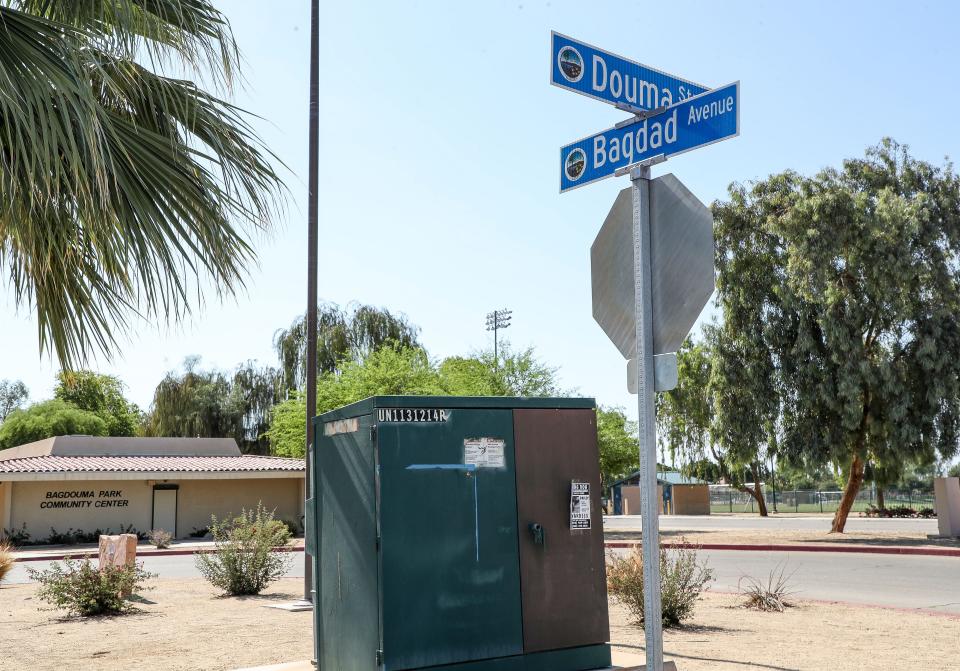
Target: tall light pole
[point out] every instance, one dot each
(496, 320)
(312, 210)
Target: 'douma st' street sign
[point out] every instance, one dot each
(626, 84)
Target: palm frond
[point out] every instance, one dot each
(119, 188)
(193, 31)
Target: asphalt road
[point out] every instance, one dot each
(781, 522)
(914, 582)
(901, 581)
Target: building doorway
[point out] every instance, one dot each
(165, 508)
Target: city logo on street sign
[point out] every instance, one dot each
(585, 69)
(696, 122)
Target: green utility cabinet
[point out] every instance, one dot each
(458, 533)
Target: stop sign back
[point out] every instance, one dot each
(681, 266)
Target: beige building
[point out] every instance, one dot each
(86, 483)
(677, 494)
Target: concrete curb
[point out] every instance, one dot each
(140, 553)
(857, 549)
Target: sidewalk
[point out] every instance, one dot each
(185, 547)
(706, 540)
(776, 540)
(928, 551)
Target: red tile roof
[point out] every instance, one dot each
(134, 464)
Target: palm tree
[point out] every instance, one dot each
(122, 188)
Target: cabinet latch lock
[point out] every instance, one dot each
(536, 530)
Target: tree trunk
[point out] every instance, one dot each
(850, 491)
(756, 492)
(880, 496)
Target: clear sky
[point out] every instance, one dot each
(439, 158)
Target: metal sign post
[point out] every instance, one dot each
(672, 262)
(653, 624)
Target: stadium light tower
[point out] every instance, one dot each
(496, 320)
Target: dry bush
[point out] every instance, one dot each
(250, 552)
(81, 588)
(682, 580)
(771, 596)
(6, 559)
(160, 538)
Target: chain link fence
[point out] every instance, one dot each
(725, 499)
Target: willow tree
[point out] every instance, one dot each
(13, 394)
(197, 403)
(124, 190)
(849, 285)
(717, 414)
(344, 335)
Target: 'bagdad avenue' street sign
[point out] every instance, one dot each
(693, 123)
(582, 68)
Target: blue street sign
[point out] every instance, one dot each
(585, 69)
(704, 119)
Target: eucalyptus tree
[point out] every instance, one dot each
(48, 419)
(343, 335)
(841, 294)
(101, 395)
(508, 373)
(125, 186)
(618, 445)
(394, 368)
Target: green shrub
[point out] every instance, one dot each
(160, 538)
(293, 527)
(17, 537)
(57, 538)
(682, 580)
(48, 418)
(6, 559)
(80, 588)
(279, 530)
(244, 560)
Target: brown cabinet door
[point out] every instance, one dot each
(562, 579)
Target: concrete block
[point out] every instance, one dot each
(118, 550)
(946, 496)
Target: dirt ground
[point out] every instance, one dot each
(809, 636)
(185, 625)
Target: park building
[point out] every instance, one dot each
(678, 494)
(90, 483)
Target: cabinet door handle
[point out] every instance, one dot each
(536, 530)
